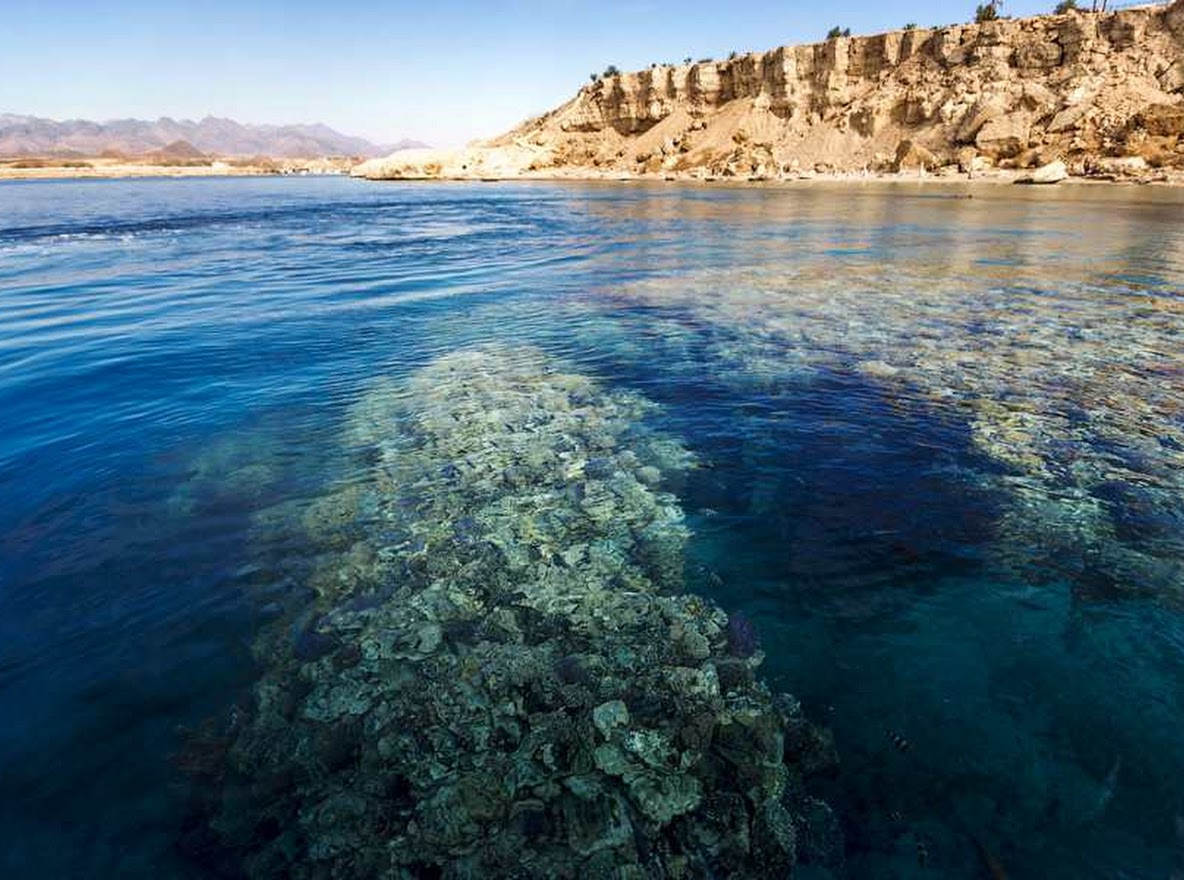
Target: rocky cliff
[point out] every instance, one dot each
(1103, 92)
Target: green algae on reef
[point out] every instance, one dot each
(499, 675)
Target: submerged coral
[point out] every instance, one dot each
(498, 675)
(1066, 396)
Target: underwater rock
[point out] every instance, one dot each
(608, 716)
(238, 469)
(517, 686)
(743, 640)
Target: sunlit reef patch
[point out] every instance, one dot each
(1074, 397)
(498, 674)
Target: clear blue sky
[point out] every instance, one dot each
(444, 71)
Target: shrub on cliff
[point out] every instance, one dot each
(1065, 6)
(988, 11)
(836, 32)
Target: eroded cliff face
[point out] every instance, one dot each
(1103, 92)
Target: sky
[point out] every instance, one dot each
(441, 71)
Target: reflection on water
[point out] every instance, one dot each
(267, 477)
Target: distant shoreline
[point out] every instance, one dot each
(104, 169)
(131, 171)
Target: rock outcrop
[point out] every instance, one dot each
(1010, 94)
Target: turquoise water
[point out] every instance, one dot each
(934, 453)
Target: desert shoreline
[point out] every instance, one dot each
(985, 178)
(98, 168)
(996, 179)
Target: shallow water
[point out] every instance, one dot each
(940, 445)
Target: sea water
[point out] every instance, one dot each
(938, 451)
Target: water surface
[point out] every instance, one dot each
(940, 445)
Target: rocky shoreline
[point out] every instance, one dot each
(950, 175)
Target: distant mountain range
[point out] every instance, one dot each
(212, 137)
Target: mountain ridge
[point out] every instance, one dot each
(24, 135)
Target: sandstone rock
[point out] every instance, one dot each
(1122, 30)
(1037, 98)
(1004, 136)
(1037, 54)
(912, 157)
(1036, 157)
(1069, 117)
(1120, 166)
(1174, 17)
(985, 110)
(1053, 172)
(1172, 78)
(970, 162)
(1030, 158)
(1160, 152)
(915, 110)
(1162, 120)
(508, 161)
(1076, 34)
(948, 47)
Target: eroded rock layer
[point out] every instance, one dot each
(1105, 92)
(499, 676)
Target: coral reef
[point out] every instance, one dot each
(499, 675)
(1094, 488)
(244, 467)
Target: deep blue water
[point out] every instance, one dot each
(943, 449)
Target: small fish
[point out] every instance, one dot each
(922, 854)
(896, 816)
(901, 744)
